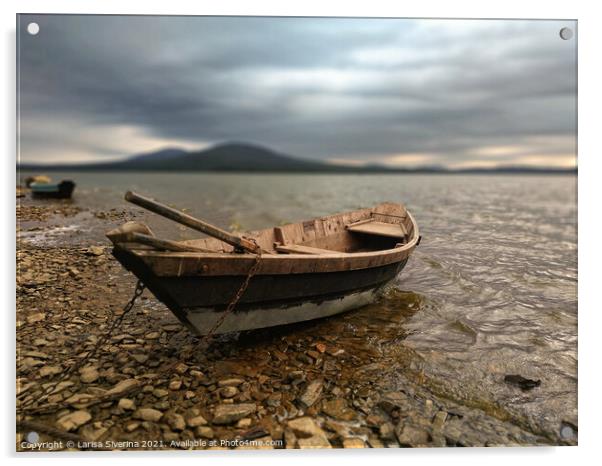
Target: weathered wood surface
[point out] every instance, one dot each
(160, 244)
(349, 251)
(300, 249)
(391, 230)
(192, 222)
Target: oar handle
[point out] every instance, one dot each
(192, 222)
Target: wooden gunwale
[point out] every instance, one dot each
(166, 264)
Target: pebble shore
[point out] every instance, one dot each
(285, 388)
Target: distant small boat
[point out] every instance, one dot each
(62, 190)
(307, 270)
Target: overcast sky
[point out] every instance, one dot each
(403, 92)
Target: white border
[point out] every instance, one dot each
(589, 213)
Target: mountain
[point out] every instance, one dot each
(241, 157)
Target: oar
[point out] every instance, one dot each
(194, 223)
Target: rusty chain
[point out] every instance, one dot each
(90, 354)
(26, 408)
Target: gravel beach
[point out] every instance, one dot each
(154, 385)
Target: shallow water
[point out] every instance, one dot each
(491, 290)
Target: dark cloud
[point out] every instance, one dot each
(377, 90)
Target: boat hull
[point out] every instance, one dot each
(63, 190)
(270, 300)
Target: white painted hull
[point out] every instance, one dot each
(202, 320)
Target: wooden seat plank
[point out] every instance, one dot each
(299, 249)
(391, 230)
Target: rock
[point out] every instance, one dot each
(196, 421)
(353, 443)
(50, 370)
(152, 336)
(37, 317)
(94, 434)
(122, 387)
(231, 382)
(311, 394)
(410, 436)
(244, 423)
(132, 426)
(73, 420)
(439, 419)
(140, 358)
(522, 382)
(160, 393)
(321, 347)
(290, 439)
(204, 432)
(338, 409)
(394, 400)
(148, 414)
(197, 374)
(229, 413)
(175, 385)
(95, 251)
(308, 433)
(228, 392)
(89, 375)
(387, 431)
(181, 368)
(79, 400)
(126, 404)
(175, 421)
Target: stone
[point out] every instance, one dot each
(409, 435)
(126, 404)
(37, 317)
(394, 400)
(148, 414)
(160, 393)
(132, 426)
(229, 413)
(95, 251)
(152, 336)
(196, 421)
(228, 392)
(439, 420)
(311, 394)
(175, 421)
(175, 385)
(338, 409)
(204, 432)
(231, 382)
(181, 368)
(94, 433)
(50, 370)
(73, 420)
(308, 433)
(79, 400)
(244, 423)
(353, 443)
(122, 387)
(89, 375)
(387, 431)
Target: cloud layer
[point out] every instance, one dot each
(394, 91)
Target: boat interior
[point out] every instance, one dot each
(383, 227)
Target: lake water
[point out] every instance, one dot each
(490, 291)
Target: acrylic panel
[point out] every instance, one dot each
(337, 232)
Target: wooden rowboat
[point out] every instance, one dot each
(306, 270)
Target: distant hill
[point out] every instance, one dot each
(241, 157)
